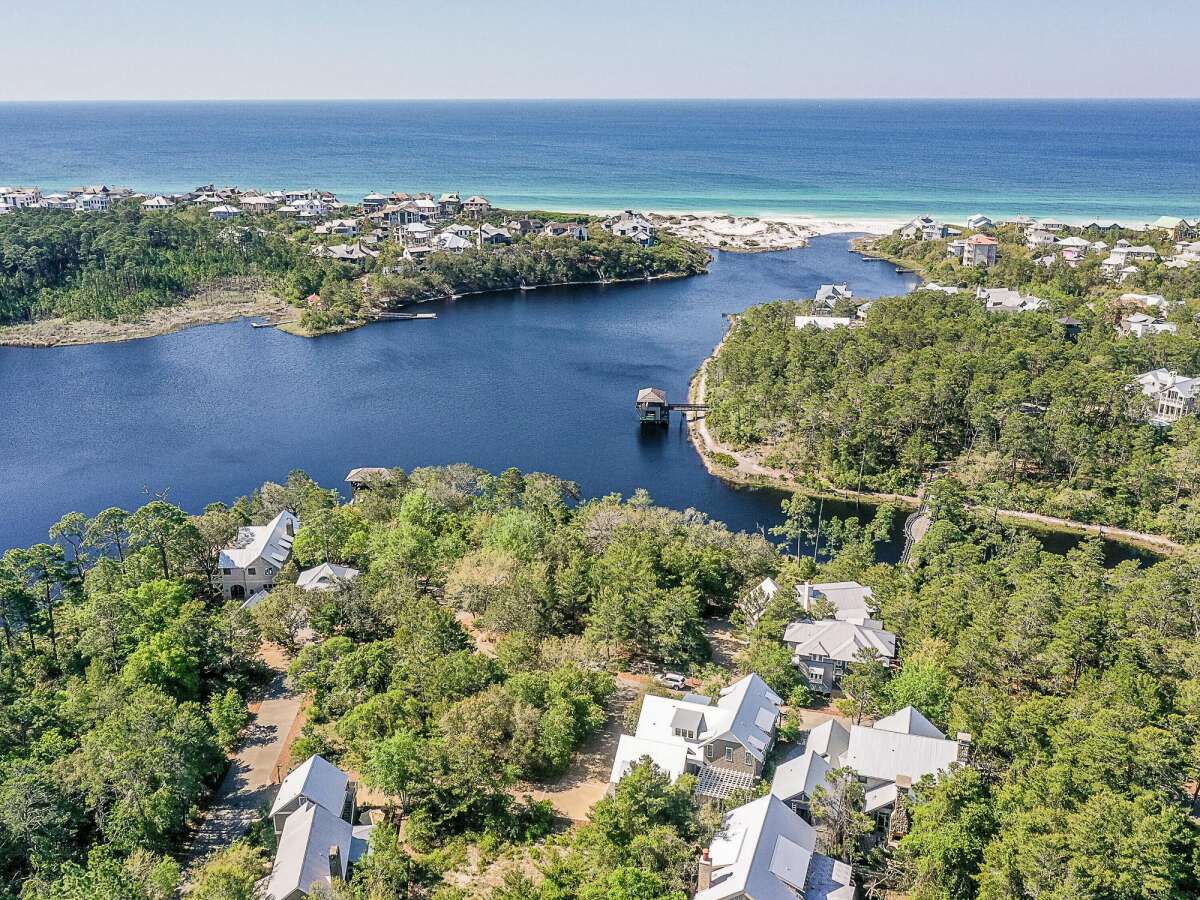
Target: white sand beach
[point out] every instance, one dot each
(750, 234)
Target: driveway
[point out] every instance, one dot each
(253, 772)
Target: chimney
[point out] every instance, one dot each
(335, 862)
(964, 746)
(704, 875)
(904, 782)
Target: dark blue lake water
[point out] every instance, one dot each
(1125, 159)
(543, 381)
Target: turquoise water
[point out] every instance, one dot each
(1125, 160)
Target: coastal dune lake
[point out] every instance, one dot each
(543, 380)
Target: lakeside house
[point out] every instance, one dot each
(850, 601)
(317, 841)
(888, 758)
(924, 228)
(1172, 396)
(251, 562)
(356, 253)
(829, 294)
(764, 851)
(632, 225)
(366, 478)
(824, 650)
(452, 242)
(725, 744)
(824, 323)
(326, 577)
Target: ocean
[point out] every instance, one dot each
(1108, 160)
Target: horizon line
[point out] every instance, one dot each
(874, 99)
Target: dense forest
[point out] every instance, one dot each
(1026, 417)
(124, 682)
(118, 264)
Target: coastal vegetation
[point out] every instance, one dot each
(124, 679)
(117, 265)
(1023, 414)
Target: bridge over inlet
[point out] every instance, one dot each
(654, 409)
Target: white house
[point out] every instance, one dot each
(924, 228)
(315, 850)
(316, 780)
(92, 203)
(1172, 396)
(764, 851)
(223, 213)
(829, 294)
(724, 743)
(574, 230)
(326, 577)
(852, 602)
(632, 225)
(824, 650)
(1140, 325)
(890, 757)
(156, 203)
(979, 221)
(823, 323)
(997, 299)
(252, 561)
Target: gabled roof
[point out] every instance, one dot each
(670, 757)
(763, 850)
(270, 543)
(651, 395)
(302, 858)
(842, 641)
(755, 710)
(830, 739)
(885, 755)
(909, 721)
(325, 577)
(801, 775)
(315, 779)
(853, 602)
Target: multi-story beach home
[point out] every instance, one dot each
(978, 222)
(449, 205)
(317, 840)
(92, 203)
(224, 212)
(476, 207)
(764, 851)
(924, 228)
(829, 294)
(574, 230)
(725, 744)
(157, 203)
(824, 650)
(888, 758)
(20, 197)
(257, 204)
(251, 563)
(979, 250)
(632, 225)
(1171, 396)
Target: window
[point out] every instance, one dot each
(252, 571)
(749, 758)
(270, 571)
(226, 571)
(709, 753)
(686, 734)
(728, 754)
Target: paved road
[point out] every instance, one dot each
(251, 776)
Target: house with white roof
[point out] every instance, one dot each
(1171, 396)
(632, 225)
(830, 294)
(725, 744)
(924, 228)
(316, 780)
(224, 212)
(824, 323)
(998, 299)
(1140, 325)
(852, 602)
(156, 203)
(889, 757)
(251, 563)
(824, 650)
(796, 782)
(979, 221)
(452, 242)
(764, 851)
(326, 577)
(315, 849)
(20, 197)
(92, 203)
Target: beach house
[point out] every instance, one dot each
(632, 225)
(574, 230)
(476, 207)
(824, 650)
(888, 757)
(924, 228)
(999, 299)
(764, 851)
(829, 294)
(979, 250)
(156, 203)
(1171, 396)
(252, 561)
(978, 222)
(725, 744)
(317, 841)
(93, 203)
(449, 205)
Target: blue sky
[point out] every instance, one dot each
(217, 49)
